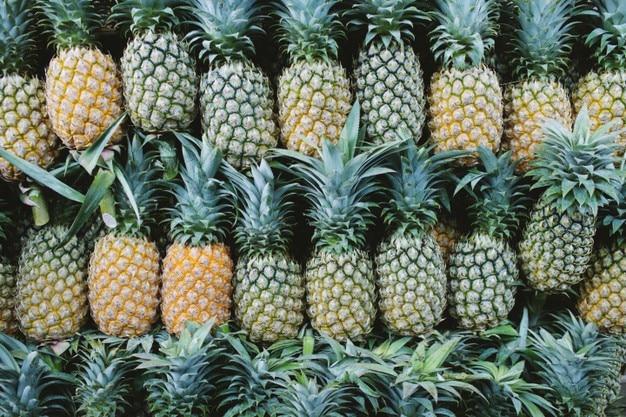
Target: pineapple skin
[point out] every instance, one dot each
(555, 249)
(412, 283)
(197, 285)
(465, 110)
(341, 293)
(8, 320)
(83, 96)
(269, 297)
(483, 277)
(237, 107)
(604, 92)
(51, 289)
(25, 128)
(603, 293)
(124, 285)
(314, 100)
(527, 105)
(160, 82)
(390, 87)
(447, 233)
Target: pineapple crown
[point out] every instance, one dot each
(608, 38)
(147, 15)
(541, 37)
(264, 209)
(386, 20)
(17, 43)
(338, 184)
(70, 23)
(465, 31)
(136, 188)
(614, 215)
(223, 28)
(497, 194)
(417, 191)
(199, 216)
(577, 169)
(308, 29)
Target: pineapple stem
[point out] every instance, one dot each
(107, 208)
(39, 206)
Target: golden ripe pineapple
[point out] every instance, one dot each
(314, 95)
(83, 86)
(197, 268)
(465, 99)
(603, 89)
(25, 129)
(124, 268)
(540, 42)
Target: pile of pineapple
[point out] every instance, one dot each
(312, 207)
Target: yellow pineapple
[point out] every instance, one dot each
(83, 85)
(197, 268)
(123, 281)
(465, 96)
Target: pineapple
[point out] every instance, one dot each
(410, 268)
(83, 86)
(603, 89)
(540, 43)
(602, 298)
(25, 129)
(8, 322)
(576, 171)
(197, 268)
(388, 75)
(269, 284)
(123, 277)
(482, 266)
(465, 98)
(447, 232)
(339, 275)
(236, 100)
(158, 73)
(314, 96)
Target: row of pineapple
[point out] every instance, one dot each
(547, 365)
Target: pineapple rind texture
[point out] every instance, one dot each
(269, 297)
(483, 277)
(51, 289)
(124, 285)
(527, 105)
(314, 101)
(25, 128)
(466, 110)
(446, 233)
(603, 293)
(196, 285)
(341, 293)
(83, 96)
(8, 320)
(412, 283)
(160, 82)
(390, 87)
(237, 107)
(604, 93)
(556, 249)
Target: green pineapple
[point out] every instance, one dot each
(314, 96)
(236, 100)
(340, 282)
(158, 72)
(539, 47)
(25, 129)
(577, 172)
(482, 266)
(388, 75)
(8, 321)
(269, 283)
(411, 271)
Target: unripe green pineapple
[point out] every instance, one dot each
(482, 266)
(236, 100)
(388, 75)
(158, 72)
(8, 322)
